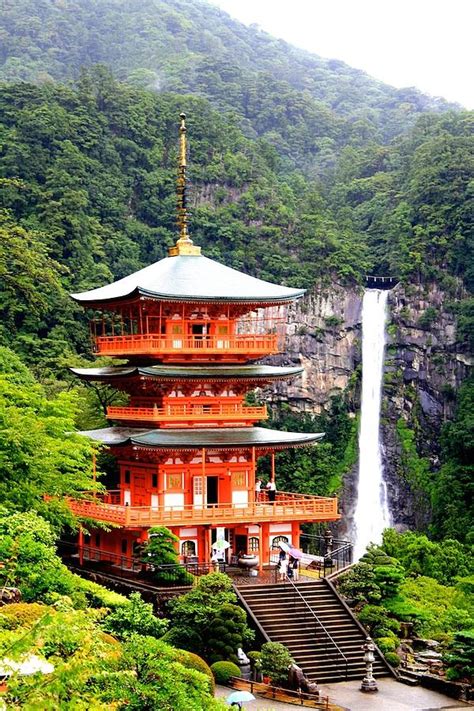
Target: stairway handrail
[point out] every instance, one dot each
(320, 624)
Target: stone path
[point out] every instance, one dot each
(392, 696)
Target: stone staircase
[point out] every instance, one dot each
(316, 626)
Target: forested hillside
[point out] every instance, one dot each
(306, 106)
(88, 184)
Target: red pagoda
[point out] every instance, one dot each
(186, 444)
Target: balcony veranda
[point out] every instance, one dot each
(176, 348)
(191, 415)
(287, 507)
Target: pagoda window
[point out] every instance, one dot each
(198, 490)
(126, 476)
(97, 540)
(279, 539)
(154, 481)
(188, 548)
(253, 546)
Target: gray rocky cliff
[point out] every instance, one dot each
(423, 369)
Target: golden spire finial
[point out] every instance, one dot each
(184, 245)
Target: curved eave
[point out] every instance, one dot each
(250, 373)
(190, 279)
(187, 299)
(188, 439)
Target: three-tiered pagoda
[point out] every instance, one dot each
(186, 444)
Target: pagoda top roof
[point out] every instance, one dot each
(219, 438)
(189, 372)
(192, 278)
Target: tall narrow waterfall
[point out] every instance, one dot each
(371, 513)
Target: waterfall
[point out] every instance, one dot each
(371, 514)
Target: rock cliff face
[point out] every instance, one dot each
(423, 368)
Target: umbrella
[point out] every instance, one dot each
(296, 553)
(238, 697)
(221, 545)
(284, 546)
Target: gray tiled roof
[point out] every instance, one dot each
(197, 438)
(191, 278)
(172, 372)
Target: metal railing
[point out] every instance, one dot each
(127, 567)
(325, 631)
(337, 557)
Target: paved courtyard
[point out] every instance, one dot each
(392, 696)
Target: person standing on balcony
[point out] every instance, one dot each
(271, 488)
(258, 489)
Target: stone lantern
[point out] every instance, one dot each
(368, 684)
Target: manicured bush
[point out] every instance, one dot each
(275, 662)
(97, 596)
(194, 661)
(386, 644)
(224, 670)
(392, 658)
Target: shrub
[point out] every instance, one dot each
(254, 657)
(21, 614)
(224, 670)
(392, 658)
(97, 596)
(386, 644)
(194, 661)
(275, 662)
(136, 617)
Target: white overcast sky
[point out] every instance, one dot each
(422, 43)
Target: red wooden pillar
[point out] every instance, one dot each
(260, 550)
(295, 534)
(265, 537)
(81, 546)
(273, 467)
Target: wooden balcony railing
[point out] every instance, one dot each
(197, 415)
(151, 344)
(287, 507)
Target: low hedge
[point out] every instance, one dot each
(224, 670)
(98, 596)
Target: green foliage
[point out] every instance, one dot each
(39, 453)
(377, 621)
(223, 671)
(392, 658)
(443, 561)
(276, 660)
(452, 500)
(427, 318)
(415, 469)
(193, 661)
(135, 618)
(30, 562)
(315, 470)
(93, 670)
(460, 656)
(160, 550)
(208, 621)
(386, 644)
